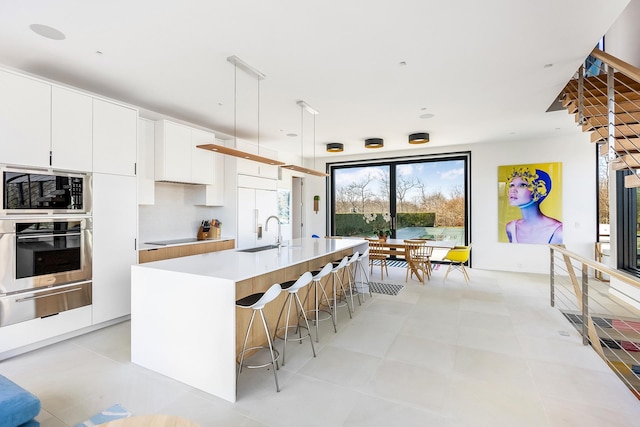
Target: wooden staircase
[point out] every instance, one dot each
(608, 105)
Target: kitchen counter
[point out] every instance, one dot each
(236, 265)
(157, 244)
(184, 323)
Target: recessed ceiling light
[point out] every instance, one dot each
(292, 135)
(98, 52)
(548, 65)
(426, 116)
(403, 63)
(48, 32)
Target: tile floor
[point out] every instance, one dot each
(488, 354)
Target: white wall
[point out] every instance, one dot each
(174, 214)
(578, 157)
(623, 38)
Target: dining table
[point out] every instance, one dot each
(396, 247)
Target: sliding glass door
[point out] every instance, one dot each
(418, 197)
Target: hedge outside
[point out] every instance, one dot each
(354, 224)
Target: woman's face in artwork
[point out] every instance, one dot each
(519, 193)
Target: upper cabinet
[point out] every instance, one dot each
(115, 134)
(250, 167)
(176, 157)
(71, 130)
(25, 120)
(44, 125)
(146, 177)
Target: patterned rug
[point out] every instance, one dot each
(393, 263)
(385, 288)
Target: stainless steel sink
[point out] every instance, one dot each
(259, 248)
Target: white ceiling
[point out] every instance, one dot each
(477, 66)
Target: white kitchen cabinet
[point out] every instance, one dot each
(213, 195)
(146, 167)
(202, 161)
(25, 120)
(115, 134)
(255, 205)
(250, 167)
(114, 244)
(172, 152)
(176, 157)
(71, 130)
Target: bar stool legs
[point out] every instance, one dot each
(256, 302)
(335, 277)
(320, 295)
(292, 288)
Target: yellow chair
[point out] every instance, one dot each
(457, 256)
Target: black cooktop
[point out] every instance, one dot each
(173, 242)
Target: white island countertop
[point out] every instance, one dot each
(235, 265)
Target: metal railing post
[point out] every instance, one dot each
(581, 95)
(552, 291)
(585, 304)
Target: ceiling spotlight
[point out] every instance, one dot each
(373, 143)
(48, 32)
(426, 116)
(418, 138)
(335, 147)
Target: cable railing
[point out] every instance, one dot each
(606, 316)
(605, 96)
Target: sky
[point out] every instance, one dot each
(443, 176)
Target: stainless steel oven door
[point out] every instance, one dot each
(42, 253)
(24, 306)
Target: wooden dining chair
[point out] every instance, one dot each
(418, 257)
(376, 253)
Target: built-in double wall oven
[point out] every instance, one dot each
(46, 244)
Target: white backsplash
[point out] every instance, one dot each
(174, 214)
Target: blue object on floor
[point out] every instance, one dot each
(315, 236)
(112, 413)
(17, 405)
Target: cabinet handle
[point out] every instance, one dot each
(256, 212)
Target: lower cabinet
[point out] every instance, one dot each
(114, 244)
(149, 255)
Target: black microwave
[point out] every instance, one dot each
(25, 192)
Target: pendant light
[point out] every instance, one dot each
(238, 63)
(306, 107)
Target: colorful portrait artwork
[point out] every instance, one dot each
(530, 203)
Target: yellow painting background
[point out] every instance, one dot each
(550, 206)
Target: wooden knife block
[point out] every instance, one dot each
(204, 235)
(213, 233)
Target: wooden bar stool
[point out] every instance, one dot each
(292, 287)
(256, 302)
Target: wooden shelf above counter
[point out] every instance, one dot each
(177, 251)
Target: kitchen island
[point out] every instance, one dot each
(184, 323)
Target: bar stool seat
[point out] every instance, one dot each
(256, 302)
(300, 331)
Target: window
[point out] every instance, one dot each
(409, 197)
(628, 221)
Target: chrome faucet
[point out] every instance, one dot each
(266, 228)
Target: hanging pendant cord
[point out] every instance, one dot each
(235, 105)
(258, 80)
